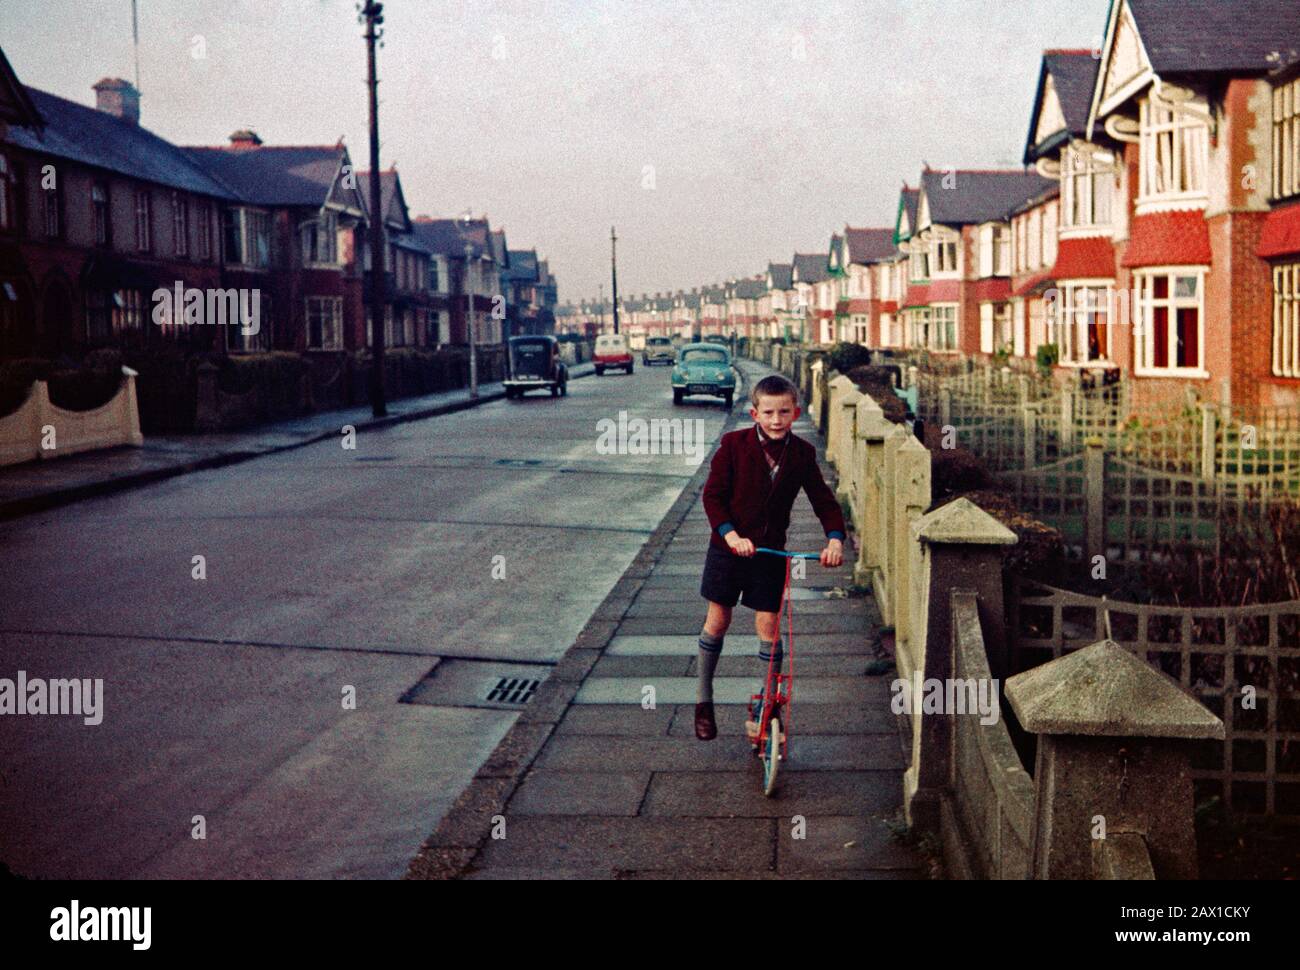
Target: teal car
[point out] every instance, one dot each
(704, 369)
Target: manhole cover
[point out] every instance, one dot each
(519, 462)
(376, 458)
(478, 683)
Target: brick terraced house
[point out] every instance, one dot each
(1196, 100)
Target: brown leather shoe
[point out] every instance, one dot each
(705, 727)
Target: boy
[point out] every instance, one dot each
(753, 482)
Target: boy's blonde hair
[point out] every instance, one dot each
(774, 385)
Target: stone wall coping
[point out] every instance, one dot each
(1104, 691)
(961, 522)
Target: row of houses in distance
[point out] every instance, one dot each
(1154, 230)
(97, 213)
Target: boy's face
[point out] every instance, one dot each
(775, 414)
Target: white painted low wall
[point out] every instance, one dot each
(115, 423)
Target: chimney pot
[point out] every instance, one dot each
(118, 98)
(244, 138)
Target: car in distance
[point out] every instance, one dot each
(658, 350)
(612, 352)
(533, 361)
(704, 368)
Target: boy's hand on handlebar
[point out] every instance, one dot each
(740, 546)
(833, 554)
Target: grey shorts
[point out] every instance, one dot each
(756, 581)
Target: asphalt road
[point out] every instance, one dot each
(487, 535)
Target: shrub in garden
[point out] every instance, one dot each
(16, 377)
(844, 357)
(877, 383)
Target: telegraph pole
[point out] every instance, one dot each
(613, 268)
(469, 310)
(600, 305)
(372, 14)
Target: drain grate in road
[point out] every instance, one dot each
(502, 686)
(513, 690)
(376, 458)
(519, 462)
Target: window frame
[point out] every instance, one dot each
(249, 221)
(261, 342)
(52, 209)
(1157, 120)
(130, 314)
(319, 239)
(334, 323)
(943, 316)
(1286, 139)
(101, 212)
(1284, 360)
(1144, 336)
(1086, 170)
(143, 220)
(1080, 319)
(180, 225)
(204, 231)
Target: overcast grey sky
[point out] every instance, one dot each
(715, 135)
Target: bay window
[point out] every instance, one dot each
(943, 328)
(1087, 180)
(1286, 320)
(320, 239)
(248, 237)
(1170, 321)
(919, 260)
(324, 323)
(1083, 325)
(1174, 151)
(128, 313)
(237, 340)
(1286, 140)
(995, 250)
(996, 334)
(918, 327)
(945, 253)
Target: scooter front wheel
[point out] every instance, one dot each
(771, 756)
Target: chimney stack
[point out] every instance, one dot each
(244, 138)
(118, 98)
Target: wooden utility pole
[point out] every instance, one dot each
(372, 14)
(613, 267)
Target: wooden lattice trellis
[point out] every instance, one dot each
(1243, 663)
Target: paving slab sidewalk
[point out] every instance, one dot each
(590, 784)
(37, 485)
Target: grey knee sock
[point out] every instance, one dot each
(710, 651)
(767, 650)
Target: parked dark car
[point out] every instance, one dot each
(534, 361)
